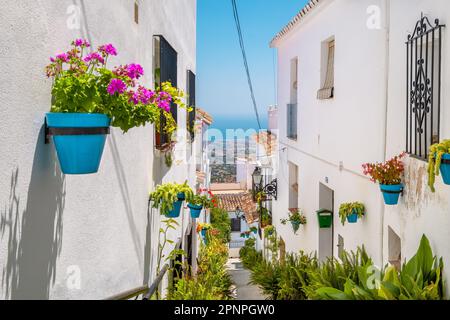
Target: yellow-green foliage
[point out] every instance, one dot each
(434, 160)
(166, 194)
(212, 281)
(347, 209)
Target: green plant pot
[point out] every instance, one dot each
(325, 218)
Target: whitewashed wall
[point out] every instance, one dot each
(420, 211)
(344, 130)
(364, 122)
(54, 225)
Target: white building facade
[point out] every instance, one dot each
(342, 77)
(92, 236)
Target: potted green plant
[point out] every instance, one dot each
(351, 211)
(169, 198)
(439, 161)
(88, 97)
(266, 218)
(389, 176)
(245, 234)
(268, 231)
(204, 199)
(254, 229)
(325, 218)
(296, 218)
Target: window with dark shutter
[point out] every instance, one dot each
(165, 70)
(235, 225)
(191, 103)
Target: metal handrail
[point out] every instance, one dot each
(144, 290)
(156, 283)
(126, 295)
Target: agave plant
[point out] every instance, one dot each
(419, 279)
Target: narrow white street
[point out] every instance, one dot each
(241, 278)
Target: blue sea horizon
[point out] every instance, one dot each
(249, 125)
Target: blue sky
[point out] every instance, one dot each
(222, 87)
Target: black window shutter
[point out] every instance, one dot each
(191, 93)
(169, 68)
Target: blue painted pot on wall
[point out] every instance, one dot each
(203, 232)
(175, 212)
(78, 154)
(445, 169)
(295, 225)
(391, 193)
(181, 196)
(353, 218)
(195, 210)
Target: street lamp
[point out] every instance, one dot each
(239, 213)
(257, 177)
(270, 189)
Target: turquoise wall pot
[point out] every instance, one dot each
(78, 154)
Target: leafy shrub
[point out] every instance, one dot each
(266, 275)
(249, 255)
(294, 276)
(221, 221)
(212, 281)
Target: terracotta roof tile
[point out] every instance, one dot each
(243, 200)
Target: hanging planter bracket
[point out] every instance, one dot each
(75, 131)
(393, 191)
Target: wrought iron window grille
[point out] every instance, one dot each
(423, 83)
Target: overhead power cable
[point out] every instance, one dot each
(244, 56)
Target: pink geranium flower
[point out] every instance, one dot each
(116, 86)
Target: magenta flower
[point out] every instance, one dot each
(81, 43)
(135, 71)
(116, 85)
(145, 95)
(108, 49)
(134, 97)
(164, 104)
(165, 96)
(94, 56)
(62, 57)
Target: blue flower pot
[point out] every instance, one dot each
(254, 231)
(175, 212)
(78, 154)
(195, 210)
(295, 225)
(391, 193)
(445, 169)
(353, 218)
(203, 233)
(181, 196)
